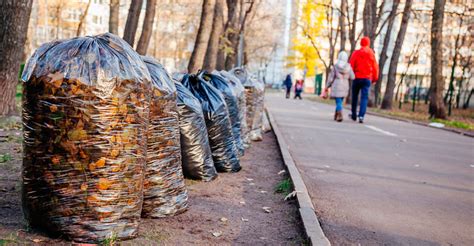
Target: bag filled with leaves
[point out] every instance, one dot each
(257, 122)
(219, 129)
(239, 91)
(85, 115)
(164, 192)
(195, 150)
(230, 97)
(242, 75)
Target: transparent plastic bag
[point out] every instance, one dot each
(230, 97)
(242, 75)
(219, 129)
(239, 91)
(85, 115)
(257, 123)
(195, 149)
(164, 192)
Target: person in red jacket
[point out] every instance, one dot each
(366, 71)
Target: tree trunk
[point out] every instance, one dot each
(114, 13)
(369, 20)
(210, 59)
(147, 28)
(83, 18)
(352, 40)
(202, 38)
(386, 42)
(241, 35)
(437, 108)
(224, 40)
(15, 15)
(132, 21)
(352, 31)
(392, 72)
(233, 36)
(342, 24)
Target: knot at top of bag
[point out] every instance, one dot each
(100, 61)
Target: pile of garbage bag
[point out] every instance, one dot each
(219, 129)
(85, 115)
(195, 149)
(231, 100)
(164, 192)
(239, 91)
(257, 122)
(109, 136)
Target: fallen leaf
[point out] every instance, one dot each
(263, 191)
(244, 220)
(291, 195)
(249, 179)
(267, 209)
(281, 172)
(217, 234)
(223, 219)
(37, 240)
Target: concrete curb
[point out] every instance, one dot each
(312, 228)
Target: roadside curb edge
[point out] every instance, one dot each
(311, 224)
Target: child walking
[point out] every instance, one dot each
(338, 81)
(298, 89)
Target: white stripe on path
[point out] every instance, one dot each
(381, 131)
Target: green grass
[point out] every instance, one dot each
(11, 239)
(285, 187)
(455, 124)
(5, 157)
(110, 240)
(19, 91)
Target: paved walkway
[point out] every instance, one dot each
(384, 181)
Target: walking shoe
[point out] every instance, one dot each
(361, 119)
(335, 115)
(353, 118)
(339, 116)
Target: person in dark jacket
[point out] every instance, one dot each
(287, 83)
(366, 72)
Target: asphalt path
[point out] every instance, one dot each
(381, 182)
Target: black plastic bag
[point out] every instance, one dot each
(195, 150)
(85, 115)
(219, 129)
(164, 192)
(239, 91)
(223, 85)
